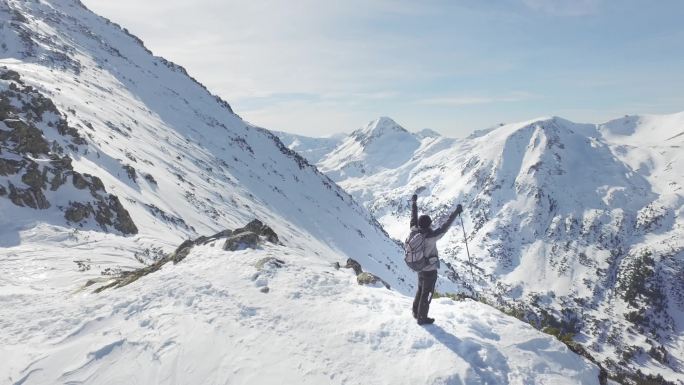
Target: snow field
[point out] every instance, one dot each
(206, 320)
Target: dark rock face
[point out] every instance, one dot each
(150, 179)
(108, 212)
(78, 212)
(9, 167)
(28, 197)
(352, 264)
(43, 165)
(27, 139)
(241, 241)
(251, 236)
(260, 229)
(79, 181)
(111, 212)
(130, 171)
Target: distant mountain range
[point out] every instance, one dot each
(576, 227)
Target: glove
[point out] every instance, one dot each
(414, 197)
(459, 209)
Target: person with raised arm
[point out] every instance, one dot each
(424, 236)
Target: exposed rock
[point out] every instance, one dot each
(130, 171)
(65, 129)
(250, 236)
(29, 197)
(10, 75)
(24, 147)
(122, 219)
(264, 289)
(76, 212)
(221, 234)
(159, 213)
(96, 185)
(9, 166)
(107, 212)
(124, 278)
(34, 178)
(242, 240)
(369, 279)
(269, 262)
(352, 264)
(257, 227)
(150, 179)
(362, 278)
(27, 138)
(3, 191)
(79, 181)
(58, 180)
(182, 251)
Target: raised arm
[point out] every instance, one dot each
(414, 211)
(445, 226)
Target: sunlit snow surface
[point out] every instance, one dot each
(206, 321)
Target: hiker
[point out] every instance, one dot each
(427, 276)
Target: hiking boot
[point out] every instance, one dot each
(426, 321)
(415, 316)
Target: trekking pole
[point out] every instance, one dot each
(465, 239)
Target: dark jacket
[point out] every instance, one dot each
(431, 236)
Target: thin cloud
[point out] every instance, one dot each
(470, 100)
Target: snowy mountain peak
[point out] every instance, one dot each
(383, 124)
(382, 127)
(380, 145)
(645, 129)
(553, 126)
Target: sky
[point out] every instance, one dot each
(317, 67)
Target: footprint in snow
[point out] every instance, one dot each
(422, 343)
(247, 311)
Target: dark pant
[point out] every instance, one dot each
(426, 287)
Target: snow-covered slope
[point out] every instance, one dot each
(161, 143)
(312, 149)
(207, 321)
(577, 226)
(111, 157)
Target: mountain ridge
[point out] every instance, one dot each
(166, 184)
(568, 222)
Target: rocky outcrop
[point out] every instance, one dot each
(241, 241)
(369, 279)
(255, 231)
(27, 121)
(363, 277)
(250, 237)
